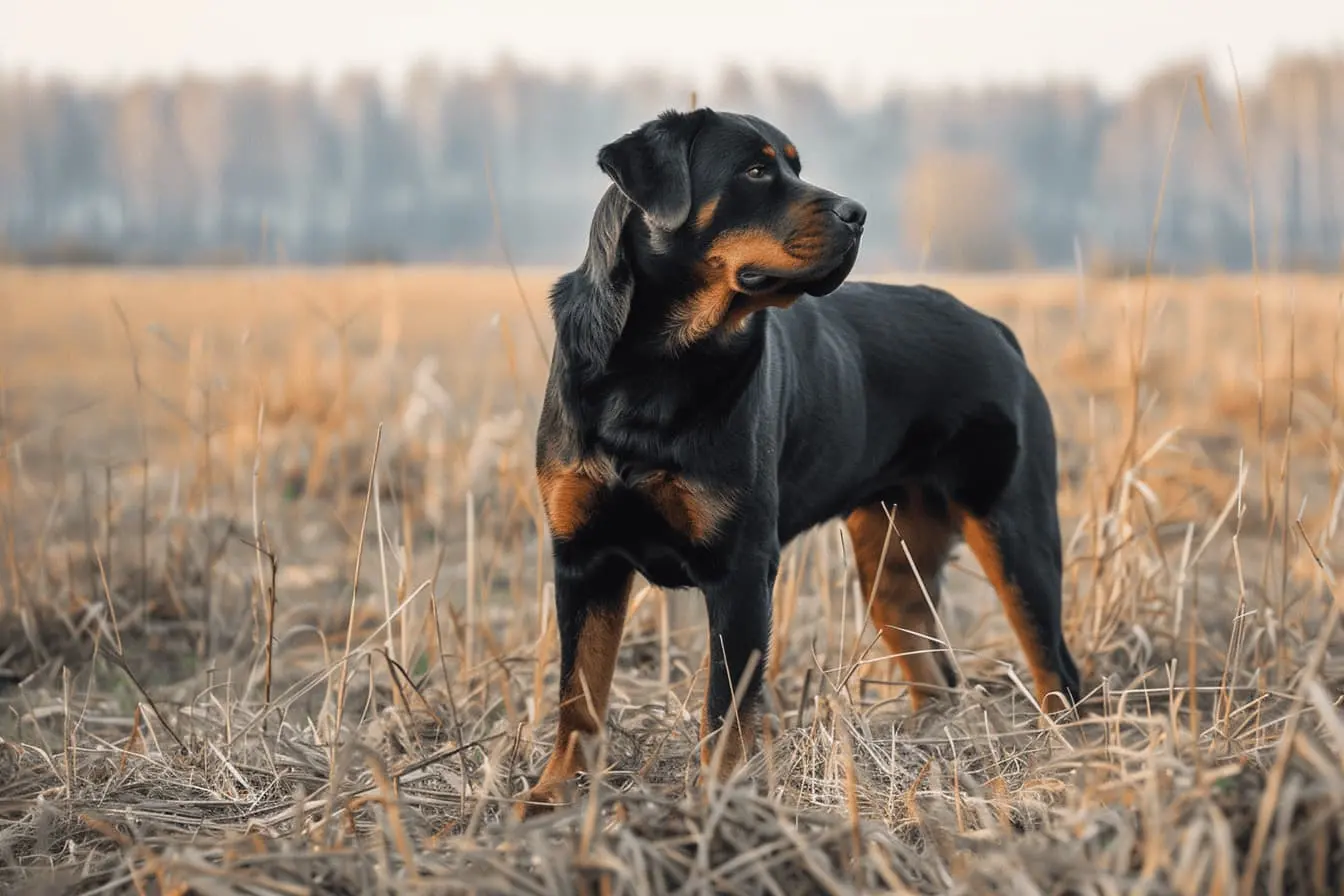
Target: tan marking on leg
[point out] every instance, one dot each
(984, 544)
(899, 609)
(739, 732)
(583, 704)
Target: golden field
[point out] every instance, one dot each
(232, 660)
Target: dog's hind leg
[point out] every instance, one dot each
(1004, 485)
(899, 609)
(1017, 543)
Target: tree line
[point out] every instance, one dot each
(455, 166)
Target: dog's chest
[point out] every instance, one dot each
(598, 493)
(629, 427)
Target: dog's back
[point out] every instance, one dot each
(875, 380)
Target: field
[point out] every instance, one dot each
(273, 617)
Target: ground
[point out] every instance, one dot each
(232, 659)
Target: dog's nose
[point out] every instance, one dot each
(851, 213)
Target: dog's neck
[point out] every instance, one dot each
(702, 379)
(664, 285)
(615, 358)
(647, 404)
(645, 383)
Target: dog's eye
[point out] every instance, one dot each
(757, 171)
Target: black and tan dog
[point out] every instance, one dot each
(716, 391)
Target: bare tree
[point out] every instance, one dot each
(195, 166)
(959, 211)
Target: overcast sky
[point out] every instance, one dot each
(855, 46)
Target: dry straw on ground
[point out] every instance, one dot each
(233, 661)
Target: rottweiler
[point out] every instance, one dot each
(718, 387)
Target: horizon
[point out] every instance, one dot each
(172, 171)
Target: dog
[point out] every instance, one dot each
(718, 387)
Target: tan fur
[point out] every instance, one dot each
(899, 609)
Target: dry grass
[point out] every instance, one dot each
(232, 660)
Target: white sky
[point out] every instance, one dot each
(857, 46)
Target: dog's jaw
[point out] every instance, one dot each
(830, 282)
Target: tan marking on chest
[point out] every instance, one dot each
(569, 492)
(694, 510)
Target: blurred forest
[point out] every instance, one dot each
(251, 169)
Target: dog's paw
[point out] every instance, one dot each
(539, 800)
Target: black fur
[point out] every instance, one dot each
(652, 167)
(828, 398)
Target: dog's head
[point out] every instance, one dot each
(725, 214)
(723, 194)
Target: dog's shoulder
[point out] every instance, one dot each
(916, 321)
(919, 347)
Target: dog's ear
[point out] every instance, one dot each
(590, 305)
(652, 166)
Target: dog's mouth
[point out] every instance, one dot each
(751, 280)
(818, 280)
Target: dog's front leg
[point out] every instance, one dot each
(739, 639)
(590, 606)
